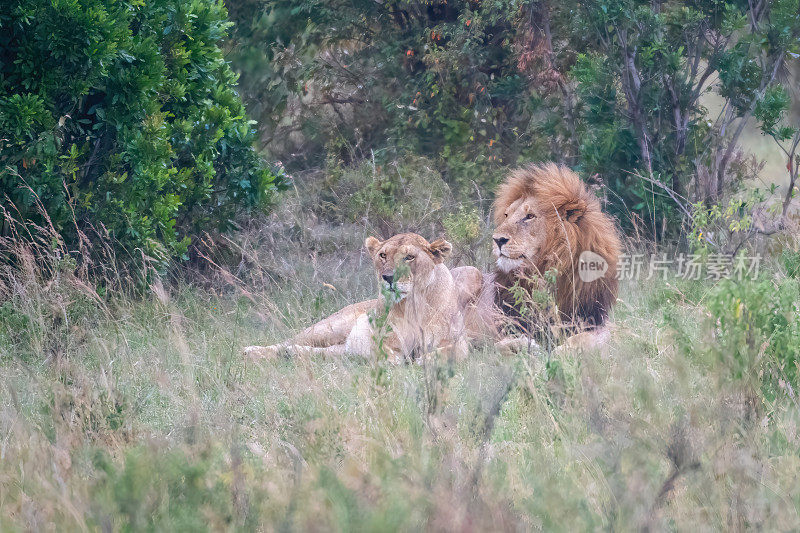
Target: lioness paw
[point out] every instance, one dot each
(260, 352)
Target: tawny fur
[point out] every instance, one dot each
(429, 317)
(574, 222)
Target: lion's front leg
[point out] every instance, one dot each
(519, 344)
(456, 351)
(293, 350)
(336, 350)
(587, 340)
(265, 352)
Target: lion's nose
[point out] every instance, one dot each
(500, 242)
(388, 278)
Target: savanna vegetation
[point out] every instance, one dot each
(181, 179)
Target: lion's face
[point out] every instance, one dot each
(546, 218)
(406, 260)
(520, 237)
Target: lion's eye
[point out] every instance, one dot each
(382, 255)
(506, 215)
(530, 216)
(409, 258)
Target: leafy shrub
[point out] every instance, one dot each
(758, 333)
(612, 87)
(124, 115)
(341, 79)
(463, 226)
(723, 227)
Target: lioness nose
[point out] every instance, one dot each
(500, 242)
(388, 278)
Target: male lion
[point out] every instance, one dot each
(547, 220)
(425, 308)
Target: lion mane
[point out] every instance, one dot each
(574, 223)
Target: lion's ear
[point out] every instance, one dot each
(372, 244)
(440, 249)
(573, 211)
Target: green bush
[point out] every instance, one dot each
(123, 115)
(758, 333)
(463, 226)
(436, 79)
(613, 88)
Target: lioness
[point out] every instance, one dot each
(425, 307)
(545, 219)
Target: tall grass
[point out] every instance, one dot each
(138, 412)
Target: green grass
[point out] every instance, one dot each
(140, 414)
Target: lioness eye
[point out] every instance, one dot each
(529, 216)
(409, 258)
(382, 255)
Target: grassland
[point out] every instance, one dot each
(140, 413)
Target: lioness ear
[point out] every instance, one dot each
(440, 249)
(372, 244)
(573, 211)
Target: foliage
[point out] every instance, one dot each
(771, 111)
(614, 88)
(791, 262)
(140, 413)
(642, 83)
(148, 418)
(759, 333)
(723, 227)
(123, 115)
(463, 226)
(439, 78)
(396, 197)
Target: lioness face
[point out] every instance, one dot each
(519, 239)
(406, 260)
